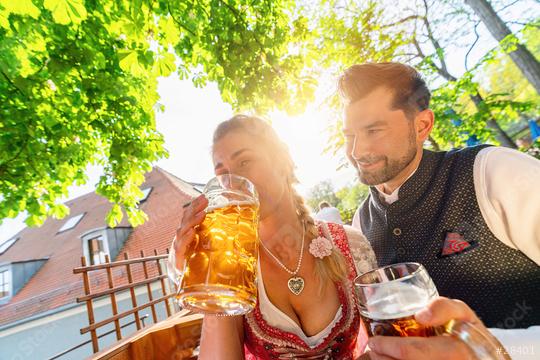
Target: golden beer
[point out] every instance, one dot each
(403, 327)
(390, 310)
(389, 297)
(221, 265)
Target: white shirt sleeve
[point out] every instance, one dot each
(361, 251)
(356, 220)
(507, 185)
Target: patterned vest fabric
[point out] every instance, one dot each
(262, 341)
(437, 222)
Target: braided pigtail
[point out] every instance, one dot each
(333, 267)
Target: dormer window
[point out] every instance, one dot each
(100, 242)
(146, 192)
(96, 250)
(5, 282)
(95, 246)
(7, 244)
(14, 275)
(71, 223)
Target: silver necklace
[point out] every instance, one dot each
(295, 283)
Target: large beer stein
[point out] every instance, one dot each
(218, 275)
(389, 297)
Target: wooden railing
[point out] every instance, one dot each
(151, 273)
(175, 338)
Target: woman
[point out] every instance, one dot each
(306, 303)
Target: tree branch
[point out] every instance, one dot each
(473, 44)
(476, 97)
(507, 6)
(347, 9)
(13, 84)
(204, 11)
(410, 17)
(438, 48)
(3, 165)
(536, 25)
(442, 72)
(179, 23)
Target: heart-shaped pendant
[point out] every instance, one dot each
(296, 285)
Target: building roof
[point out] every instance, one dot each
(54, 284)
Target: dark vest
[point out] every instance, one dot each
(437, 205)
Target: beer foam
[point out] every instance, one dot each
(230, 203)
(396, 300)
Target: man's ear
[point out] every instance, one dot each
(424, 121)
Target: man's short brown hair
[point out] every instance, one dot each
(411, 93)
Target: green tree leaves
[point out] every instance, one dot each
(372, 31)
(165, 64)
(346, 200)
(66, 102)
(79, 87)
(323, 191)
(66, 11)
(22, 7)
(129, 62)
(78, 81)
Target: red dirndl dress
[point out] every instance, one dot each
(346, 340)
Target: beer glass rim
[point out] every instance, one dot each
(227, 175)
(419, 269)
(255, 193)
(231, 175)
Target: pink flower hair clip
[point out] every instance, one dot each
(320, 247)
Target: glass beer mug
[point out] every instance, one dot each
(218, 274)
(389, 297)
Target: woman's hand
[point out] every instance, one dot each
(193, 215)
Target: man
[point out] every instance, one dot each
(470, 216)
(328, 213)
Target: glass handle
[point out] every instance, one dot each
(484, 346)
(172, 272)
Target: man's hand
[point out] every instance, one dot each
(437, 313)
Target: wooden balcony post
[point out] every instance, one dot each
(132, 292)
(113, 300)
(149, 289)
(163, 289)
(89, 307)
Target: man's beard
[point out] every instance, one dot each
(391, 168)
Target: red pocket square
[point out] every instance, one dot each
(455, 243)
